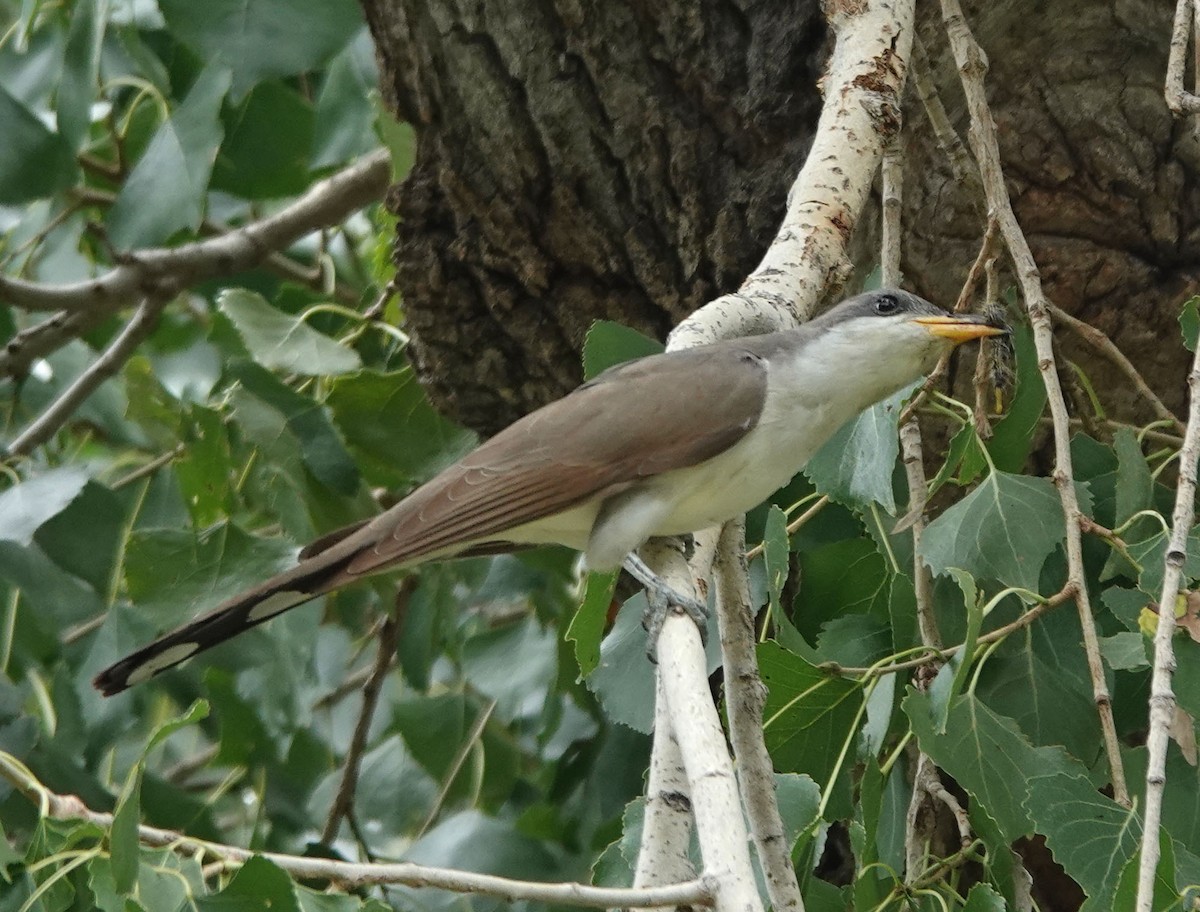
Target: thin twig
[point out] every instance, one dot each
(327, 202)
(149, 468)
(943, 655)
(50, 334)
(972, 66)
(1180, 101)
(1162, 699)
(456, 765)
(106, 365)
(961, 164)
(983, 379)
(961, 304)
(352, 876)
(350, 684)
(818, 505)
(1106, 347)
(389, 637)
(745, 697)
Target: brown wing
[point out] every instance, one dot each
(634, 421)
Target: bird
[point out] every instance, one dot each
(658, 446)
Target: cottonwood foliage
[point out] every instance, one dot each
(511, 736)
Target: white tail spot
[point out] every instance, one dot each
(275, 603)
(157, 663)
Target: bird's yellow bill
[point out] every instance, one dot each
(959, 329)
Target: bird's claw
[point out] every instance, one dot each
(661, 602)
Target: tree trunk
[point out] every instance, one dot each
(629, 161)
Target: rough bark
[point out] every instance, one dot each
(623, 161)
(628, 161)
(1103, 179)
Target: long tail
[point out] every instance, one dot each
(308, 579)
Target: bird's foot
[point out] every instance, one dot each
(662, 600)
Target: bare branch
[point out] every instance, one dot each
(667, 823)
(745, 697)
(860, 115)
(951, 143)
(351, 876)
(55, 331)
(942, 655)
(385, 653)
(972, 65)
(1162, 699)
(1106, 347)
(108, 363)
(1179, 100)
(326, 203)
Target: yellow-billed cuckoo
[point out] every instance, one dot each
(660, 446)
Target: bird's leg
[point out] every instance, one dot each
(660, 600)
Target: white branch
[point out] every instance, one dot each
(745, 697)
(667, 825)
(1179, 100)
(972, 65)
(860, 115)
(719, 823)
(1162, 699)
(351, 875)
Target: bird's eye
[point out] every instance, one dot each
(886, 304)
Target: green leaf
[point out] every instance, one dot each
(1164, 896)
(1124, 651)
(849, 577)
(258, 884)
(1189, 322)
(1003, 530)
(983, 898)
(776, 556)
(1012, 436)
(515, 665)
(345, 115)
(206, 471)
(1135, 485)
(393, 789)
(1181, 796)
(854, 640)
(987, 755)
(8, 856)
(810, 714)
(587, 626)
(608, 344)
(85, 538)
(166, 190)
(34, 162)
(173, 574)
(81, 65)
(799, 799)
(1091, 835)
(283, 342)
(123, 836)
(267, 141)
(964, 460)
(855, 465)
(395, 434)
(624, 679)
(26, 506)
(261, 38)
(305, 420)
(1151, 552)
